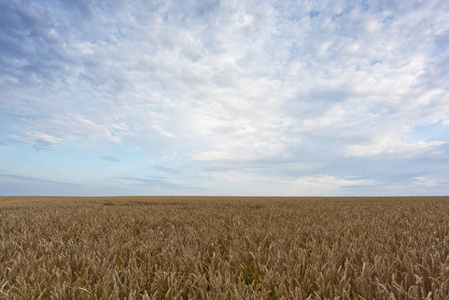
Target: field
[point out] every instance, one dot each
(224, 248)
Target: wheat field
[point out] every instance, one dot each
(224, 248)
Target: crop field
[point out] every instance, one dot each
(224, 248)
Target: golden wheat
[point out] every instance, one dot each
(224, 248)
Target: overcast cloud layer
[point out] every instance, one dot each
(224, 98)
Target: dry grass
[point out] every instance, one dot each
(224, 248)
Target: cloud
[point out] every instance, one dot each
(39, 180)
(81, 129)
(325, 185)
(166, 169)
(426, 184)
(429, 181)
(388, 143)
(1, 169)
(110, 158)
(162, 183)
(233, 176)
(43, 141)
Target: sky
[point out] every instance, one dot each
(264, 98)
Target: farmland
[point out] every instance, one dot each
(224, 248)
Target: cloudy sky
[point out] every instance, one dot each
(224, 97)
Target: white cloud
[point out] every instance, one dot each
(233, 176)
(324, 185)
(429, 181)
(427, 184)
(42, 141)
(80, 129)
(389, 143)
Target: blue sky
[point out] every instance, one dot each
(224, 97)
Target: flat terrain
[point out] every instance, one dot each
(224, 248)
